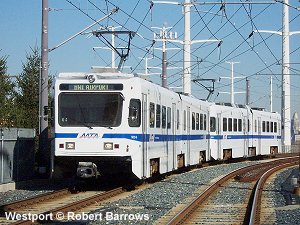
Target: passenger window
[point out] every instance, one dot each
(240, 125)
(201, 122)
(134, 119)
(152, 115)
(229, 124)
(275, 127)
(193, 121)
(263, 126)
(272, 126)
(197, 121)
(204, 122)
(268, 126)
(184, 120)
(255, 126)
(163, 117)
(169, 118)
(157, 116)
(248, 125)
(212, 124)
(224, 124)
(235, 124)
(178, 119)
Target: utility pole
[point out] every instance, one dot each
(247, 91)
(271, 94)
(232, 78)
(164, 36)
(147, 74)
(286, 89)
(43, 92)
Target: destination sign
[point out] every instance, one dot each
(91, 87)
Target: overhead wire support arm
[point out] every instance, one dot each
(210, 89)
(114, 10)
(118, 50)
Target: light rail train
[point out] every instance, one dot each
(108, 122)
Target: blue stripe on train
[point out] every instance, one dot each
(167, 137)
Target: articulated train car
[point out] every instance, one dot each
(114, 123)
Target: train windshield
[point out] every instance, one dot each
(90, 109)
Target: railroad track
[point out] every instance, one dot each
(214, 206)
(56, 204)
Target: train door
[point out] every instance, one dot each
(188, 136)
(259, 136)
(175, 117)
(144, 135)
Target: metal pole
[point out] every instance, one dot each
(247, 91)
(271, 94)
(164, 65)
(232, 85)
(286, 98)
(187, 49)
(43, 92)
(232, 82)
(113, 57)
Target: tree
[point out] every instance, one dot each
(28, 94)
(7, 112)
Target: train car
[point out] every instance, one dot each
(265, 131)
(239, 131)
(107, 122)
(113, 123)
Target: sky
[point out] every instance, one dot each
(259, 56)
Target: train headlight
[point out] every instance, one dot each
(70, 145)
(108, 146)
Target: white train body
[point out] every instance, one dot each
(117, 123)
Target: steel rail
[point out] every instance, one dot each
(72, 207)
(256, 204)
(35, 200)
(184, 214)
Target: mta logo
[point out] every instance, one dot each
(89, 135)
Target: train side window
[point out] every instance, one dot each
(197, 121)
(184, 120)
(152, 115)
(272, 127)
(158, 116)
(248, 125)
(193, 121)
(268, 126)
(212, 124)
(263, 126)
(234, 124)
(204, 122)
(224, 124)
(275, 127)
(229, 124)
(178, 119)
(240, 125)
(169, 118)
(163, 117)
(255, 126)
(134, 119)
(201, 122)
